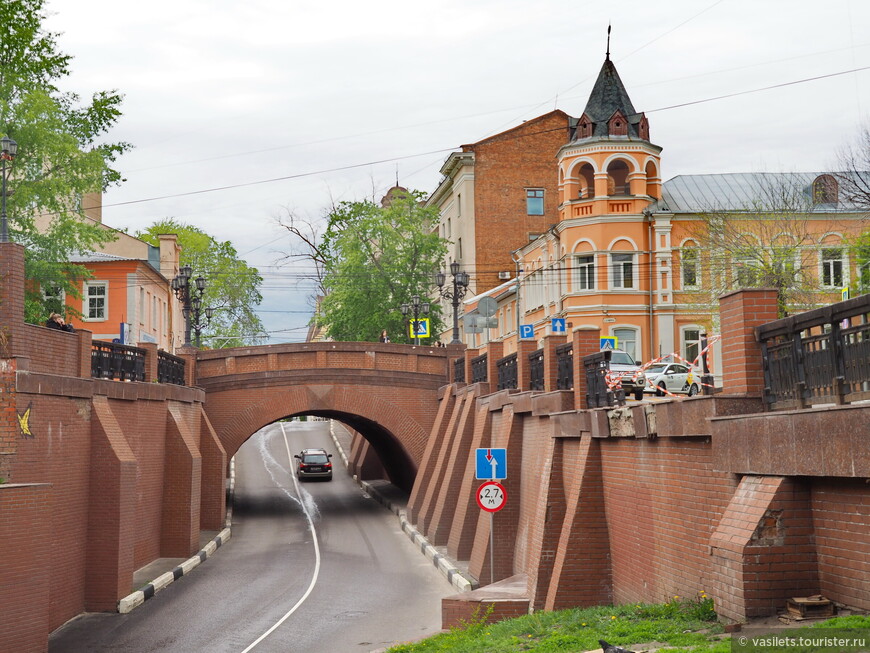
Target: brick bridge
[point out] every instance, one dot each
(387, 393)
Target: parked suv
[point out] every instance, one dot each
(313, 463)
(632, 379)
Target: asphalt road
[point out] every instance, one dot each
(359, 585)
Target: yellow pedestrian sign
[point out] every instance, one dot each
(419, 328)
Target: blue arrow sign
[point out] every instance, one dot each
(527, 331)
(491, 464)
(557, 325)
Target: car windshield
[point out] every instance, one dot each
(655, 369)
(621, 358)
(314, 458)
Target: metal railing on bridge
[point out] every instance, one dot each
(170, 369)
(110, 360)
(478, 369)
(821, 356)
(598, 393)
(459, 370)
(507, 372)
(565, 366)
(536, 370)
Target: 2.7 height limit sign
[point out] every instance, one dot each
(491, 496)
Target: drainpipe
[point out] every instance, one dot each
(515, 256)
(653, 275)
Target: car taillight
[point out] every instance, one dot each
(328, 464)
(302, 465)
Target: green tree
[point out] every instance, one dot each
(232, 287)
(61, 157)
(375, 259)
(860, 249)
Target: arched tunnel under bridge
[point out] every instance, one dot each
(387, 393)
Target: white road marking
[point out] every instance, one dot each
(305, 509)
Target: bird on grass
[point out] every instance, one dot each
(611, 648)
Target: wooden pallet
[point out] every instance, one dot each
(810, 607)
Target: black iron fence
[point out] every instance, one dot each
(459, 370)
(598, 394)
(536, 370)
(170, 369)
(507, 372)
(565, 366)
(478, 369)
(110, 360)
(821, 356)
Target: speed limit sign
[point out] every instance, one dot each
(491, 496)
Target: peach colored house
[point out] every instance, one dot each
(625, 256)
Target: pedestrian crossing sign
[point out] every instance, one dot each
(419, 328)
(609, 343)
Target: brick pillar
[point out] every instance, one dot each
(587, 340)
(551, 369)
(212, 502)
(86, 341)
(9, 429)
(524, 369)
(11, 297)
(150, 360)
(182, 493)
(494, 353)
(189, 356)
(740, 312)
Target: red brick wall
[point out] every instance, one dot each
(26, 543)
(841, 521)
(740, 312)
(504, 166)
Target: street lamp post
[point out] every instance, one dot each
(8, 149)
(460, 285)
(191, 303)
(416, 307)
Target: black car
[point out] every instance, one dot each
(314, 463)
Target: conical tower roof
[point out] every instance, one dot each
(608, 99)
(608, 95)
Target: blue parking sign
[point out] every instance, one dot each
(527, 331)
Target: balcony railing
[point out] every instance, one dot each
(507, 372)
(170, 369)
(478, 369)
(565, 366)
(536, 370)
(110, 360)
(459, 370)
(821, 356)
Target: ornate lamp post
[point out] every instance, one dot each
(191, 304)
(416, 307)
(8, 149)
(460, 285)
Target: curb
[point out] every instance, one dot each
(441, 562)
(137, 598)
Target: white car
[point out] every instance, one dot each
(673, 377)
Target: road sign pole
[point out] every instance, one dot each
(491, 548)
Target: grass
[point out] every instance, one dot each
(681, 624)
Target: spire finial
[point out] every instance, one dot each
(608, 41)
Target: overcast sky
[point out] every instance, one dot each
(299, 104)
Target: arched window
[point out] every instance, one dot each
(825, 190)
(617, 178)
(626, 340)
(652, 188)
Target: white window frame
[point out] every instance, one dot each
(583, 280)
(616, 283)
(635, 343)
(823, 267)
(86, 301)
(685, 341)
(60, 296)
